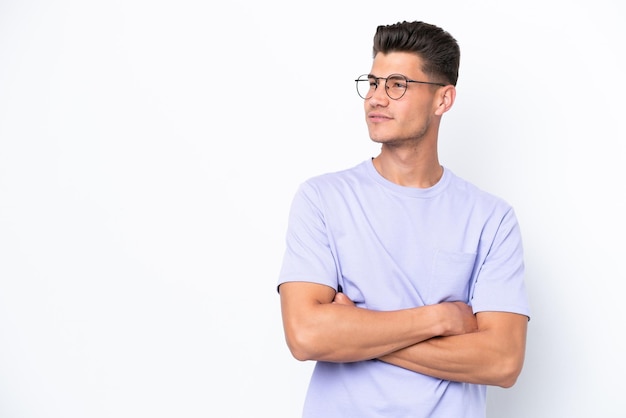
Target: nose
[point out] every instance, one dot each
(379, 96)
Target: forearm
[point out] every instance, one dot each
(492, 356)
(339, 333)
(321, 324)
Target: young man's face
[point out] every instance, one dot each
(409, 118)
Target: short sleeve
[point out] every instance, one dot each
(500, 281)
(308, 256)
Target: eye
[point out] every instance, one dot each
(396, 83)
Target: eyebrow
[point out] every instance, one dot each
(375, 76)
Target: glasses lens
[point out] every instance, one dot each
(365, 86)
(396, 86)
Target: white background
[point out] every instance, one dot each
(149, 151)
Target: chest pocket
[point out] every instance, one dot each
(451, 277)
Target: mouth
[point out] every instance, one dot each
(378, 117)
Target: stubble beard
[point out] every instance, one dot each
(411, 140)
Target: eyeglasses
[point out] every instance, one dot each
(395, 85)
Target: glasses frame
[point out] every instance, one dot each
(369, 77)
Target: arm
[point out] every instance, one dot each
(317, 329)
(493, 355)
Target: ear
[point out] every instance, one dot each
(445, 96)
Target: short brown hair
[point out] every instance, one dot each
(438, 50)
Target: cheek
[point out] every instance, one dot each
(419, 114)
(415, 118)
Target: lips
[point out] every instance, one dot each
(378, 117)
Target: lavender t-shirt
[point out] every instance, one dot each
(393, 247)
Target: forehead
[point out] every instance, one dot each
(405, 63)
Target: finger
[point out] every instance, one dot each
(342, 299)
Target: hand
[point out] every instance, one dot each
(458, 318)
(342, 299)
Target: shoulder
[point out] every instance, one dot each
(336, 180)
(476, 196)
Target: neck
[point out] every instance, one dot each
(410, 168)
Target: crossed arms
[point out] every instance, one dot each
(445, 340)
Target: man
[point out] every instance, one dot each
(403, 281)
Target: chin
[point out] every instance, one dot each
(376, 137)
(380, 139)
